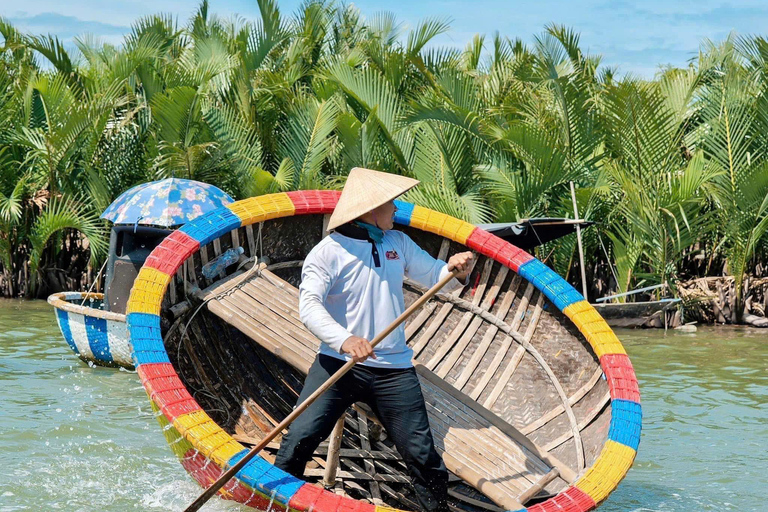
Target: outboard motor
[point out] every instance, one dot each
(129, 247)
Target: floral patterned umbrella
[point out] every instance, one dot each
(166, 203)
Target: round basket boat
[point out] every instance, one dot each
(532, 400)
(94, 335)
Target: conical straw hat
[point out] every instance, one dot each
(365, 190)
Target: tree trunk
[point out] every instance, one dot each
(737, 301)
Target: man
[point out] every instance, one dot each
(351, 289)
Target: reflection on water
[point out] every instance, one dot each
(79, 438)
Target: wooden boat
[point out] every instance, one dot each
(93, 324)
(532, 399)
(94, 334)
(652, 313)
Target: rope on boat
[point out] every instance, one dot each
(256, 268)
(88, 293)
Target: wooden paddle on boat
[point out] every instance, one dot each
(227, 476)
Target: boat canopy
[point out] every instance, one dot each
(530, 233)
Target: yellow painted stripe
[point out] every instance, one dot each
(199, 432)
(578, 307)
(261, 208)
(603, 339)
(609, 469)
(442, 224)
(582, 313)
(379, 508)
(220, 447)
(207, 437)
(598, 333)
(175, 440)
(190, 420)
(226, 451)
(148, 290)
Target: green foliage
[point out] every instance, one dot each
(494, 131)
(70, 213)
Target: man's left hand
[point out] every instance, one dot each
(463, 263)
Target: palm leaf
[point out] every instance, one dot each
(306, 138)
(372, 93)
(69, 213)
(11, 205)
(425, 32)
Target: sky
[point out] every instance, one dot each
(634, 37)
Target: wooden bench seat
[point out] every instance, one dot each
(477, 445)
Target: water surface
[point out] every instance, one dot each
(78, 438)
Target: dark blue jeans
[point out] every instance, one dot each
(396, 399)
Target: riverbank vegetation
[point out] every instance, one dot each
(673, 169)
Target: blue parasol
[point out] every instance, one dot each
(166, 203)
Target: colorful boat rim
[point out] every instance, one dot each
(259, 483)
(93, 334)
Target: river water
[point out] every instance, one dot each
(77, 438)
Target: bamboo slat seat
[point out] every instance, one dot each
(476, 444)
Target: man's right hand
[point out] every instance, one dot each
(359, 348)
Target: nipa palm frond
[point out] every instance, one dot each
(69, 213)
(306, 138)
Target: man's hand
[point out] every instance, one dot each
(463, 263)
(359, 348)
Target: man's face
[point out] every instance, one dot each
(384, 215)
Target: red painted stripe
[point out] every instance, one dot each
(174, 410)
(305, 497)
(350, 505)
(166, 389)
(311, 497)
(314, 201)
(161, 384)
(172, 252)
(153, 370)
(570, 500)
(498, 249)
(175, 403)
(621, 377)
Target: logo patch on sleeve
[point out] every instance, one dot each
(392, 255)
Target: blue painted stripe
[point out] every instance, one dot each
(211, 225)
(137, 319)
(266, 478)
(96, 331)
(626, 423)
(564, 294)
(65, 330)
(149, 357)
(146, 338)
(403, 213)
(552, 285)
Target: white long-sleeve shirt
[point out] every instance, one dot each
(343, 293)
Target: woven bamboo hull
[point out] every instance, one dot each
(518, 353)
(94, 335)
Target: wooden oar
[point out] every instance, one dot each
(227, 476)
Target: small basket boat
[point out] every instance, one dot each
(142, 217)
(94, 334)
(532, 400)
(94, 323)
